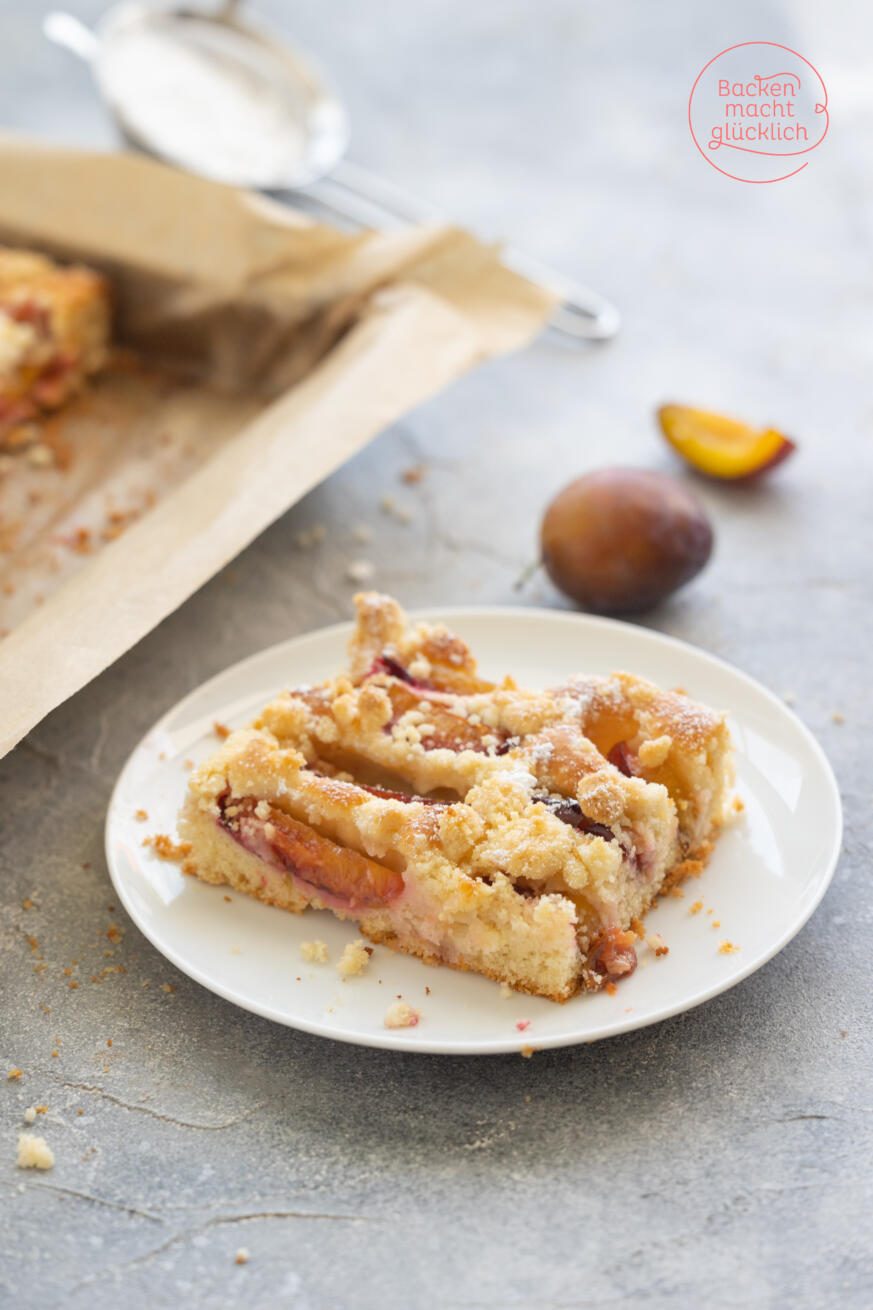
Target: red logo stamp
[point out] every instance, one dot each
(757, 110)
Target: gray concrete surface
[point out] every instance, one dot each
(721, 1159)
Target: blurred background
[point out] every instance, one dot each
(562, 125)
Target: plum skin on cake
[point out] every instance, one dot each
(518, 834)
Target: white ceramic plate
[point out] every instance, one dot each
(768, 873)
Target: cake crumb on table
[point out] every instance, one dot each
(727, 948)
(388, 505)
(140, 815)
(837, 717)
(308, 537)
(361, 571)
(354, 959)
(242, 1256)
(696, 907)
(30, 1114)
(314, 952)
(34, 1152)
(401, 1015)
(14, 1074)
(656, 943)
(527, 1052)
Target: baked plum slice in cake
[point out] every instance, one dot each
(469, 824)
(340, 876)
(664, 737)
(645, 731)
(375, 859)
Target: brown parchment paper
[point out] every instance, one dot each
(259, 351)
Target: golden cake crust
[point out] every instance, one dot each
(54, 333)
(471, 824)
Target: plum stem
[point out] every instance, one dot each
(526, 574)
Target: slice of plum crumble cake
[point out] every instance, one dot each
(518, 834)
(54, 332)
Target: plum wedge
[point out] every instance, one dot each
(721, 447)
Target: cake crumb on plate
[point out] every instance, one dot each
(167, 849)
(315, 952)
(401, 1015)
(354, 959)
